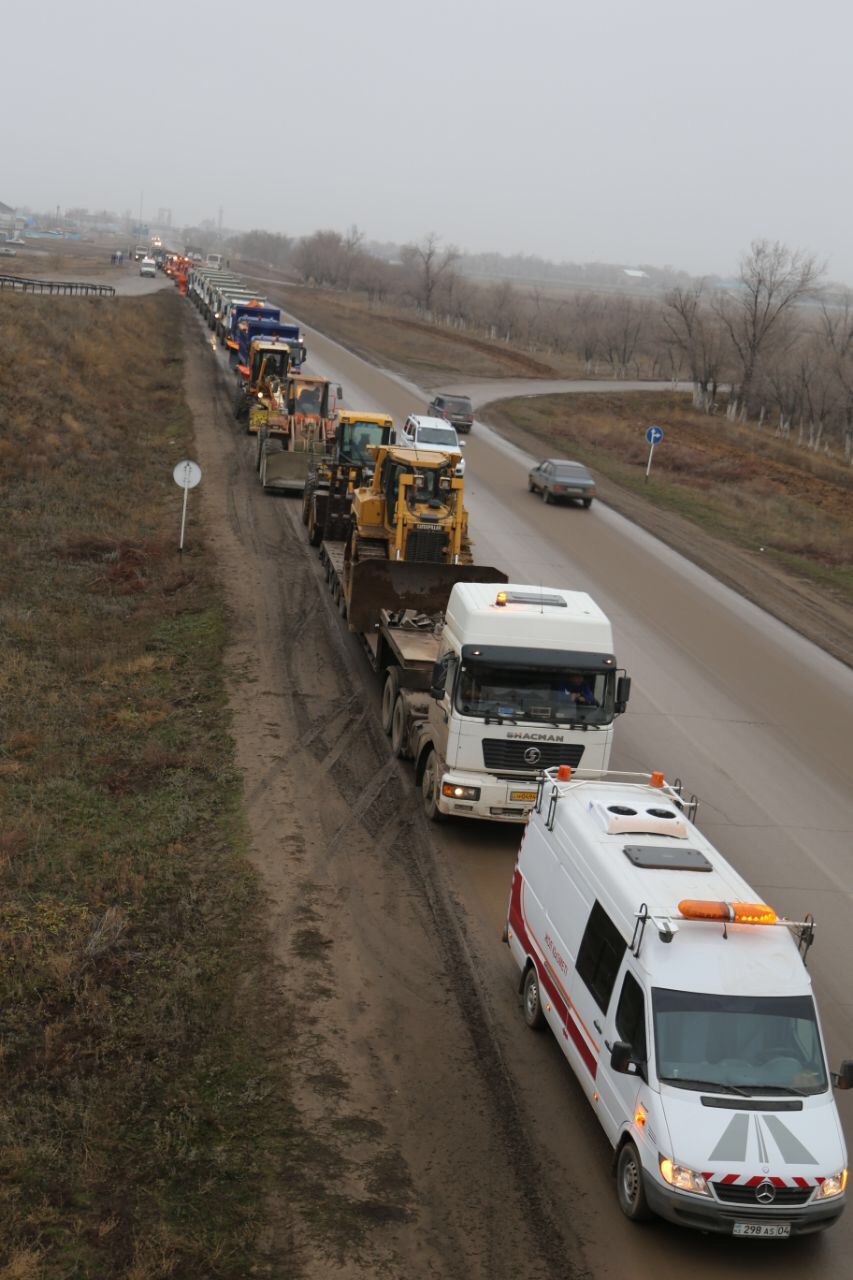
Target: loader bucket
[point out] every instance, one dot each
(375, 585)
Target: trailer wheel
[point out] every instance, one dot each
(430, 784)
(389, 697)
(629, 1185)
(399, 736)
(531, 1000)
(315, 531)
(307, 493)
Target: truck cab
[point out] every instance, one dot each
(525, 679)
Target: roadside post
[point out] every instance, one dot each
(186, 476)
(654, 435)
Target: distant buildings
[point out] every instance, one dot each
(10, 224)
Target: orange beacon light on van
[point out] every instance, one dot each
(727, 912)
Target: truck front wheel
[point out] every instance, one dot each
(431, 788)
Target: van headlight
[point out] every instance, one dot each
(682, 1178)
(834, 1186)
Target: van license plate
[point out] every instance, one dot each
(523, 795)
(771, 1230)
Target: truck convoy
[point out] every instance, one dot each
(679, 997)
(684, 1007)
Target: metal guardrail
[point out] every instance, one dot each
(67, 287)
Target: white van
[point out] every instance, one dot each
(684, 1007)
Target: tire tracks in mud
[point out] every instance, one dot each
(411, 1151)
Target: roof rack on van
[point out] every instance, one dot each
(694, 911)
(564, 778)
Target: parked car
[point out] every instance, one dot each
(148, 267)
(434, 435)
(456, 410)
(558, 478)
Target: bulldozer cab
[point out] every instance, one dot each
(357, 432)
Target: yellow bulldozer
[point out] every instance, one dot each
(408, 537)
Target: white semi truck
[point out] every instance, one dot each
(487, 683)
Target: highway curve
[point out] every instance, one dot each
(484, 1157)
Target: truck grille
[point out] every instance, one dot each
(731, 1194)
(499, 754)
(428, 546)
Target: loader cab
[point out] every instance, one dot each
(357, 433)
(309, 397)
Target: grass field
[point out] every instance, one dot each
(396, 339)
(140, 1099)
(744, 486)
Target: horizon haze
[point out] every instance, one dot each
(661, 134)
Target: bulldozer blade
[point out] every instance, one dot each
(399, 584)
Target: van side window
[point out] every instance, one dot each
(600, 955)
(631, 1017)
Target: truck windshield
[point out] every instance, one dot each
(540, 696)
(752, 1044)
(356, 438)
(276, 364)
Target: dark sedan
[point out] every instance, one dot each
(557, 479)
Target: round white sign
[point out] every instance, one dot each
(187, 474)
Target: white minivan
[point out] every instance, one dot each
(684, 1006)
(148, 267)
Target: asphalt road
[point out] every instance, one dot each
(757, 721)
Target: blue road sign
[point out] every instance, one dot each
(654, 435)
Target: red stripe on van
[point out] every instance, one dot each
(519, 924)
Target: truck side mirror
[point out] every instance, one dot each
(623, 693)
(340, 391)
(622, 1060)
(438, 680)
(843, 1079)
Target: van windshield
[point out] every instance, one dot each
(751, 1044)
(536, 695)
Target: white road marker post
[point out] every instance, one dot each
(654, 435)
(186, 476)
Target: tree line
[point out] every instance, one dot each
(772, 348)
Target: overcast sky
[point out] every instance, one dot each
(630, 131)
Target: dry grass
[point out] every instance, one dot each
(139, 1105)
(394, 339)
(751, 489)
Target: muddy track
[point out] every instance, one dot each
(409, 1152)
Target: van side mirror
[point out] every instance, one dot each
(340, 391)
(622, 1060)
(843, 1079)
(623, 693)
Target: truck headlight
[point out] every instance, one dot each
(454, 792)
(834, 1186)
(682, 1178)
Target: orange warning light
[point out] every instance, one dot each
(564, 773)
(727, 912)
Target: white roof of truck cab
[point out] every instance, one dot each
(535, 617)
(595, 822)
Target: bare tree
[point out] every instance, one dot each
(694, 330)
(430, 263)
(772, 280)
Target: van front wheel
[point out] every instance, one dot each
(629, 1185)
(531, 1000)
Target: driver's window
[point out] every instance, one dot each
(631, 1017)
